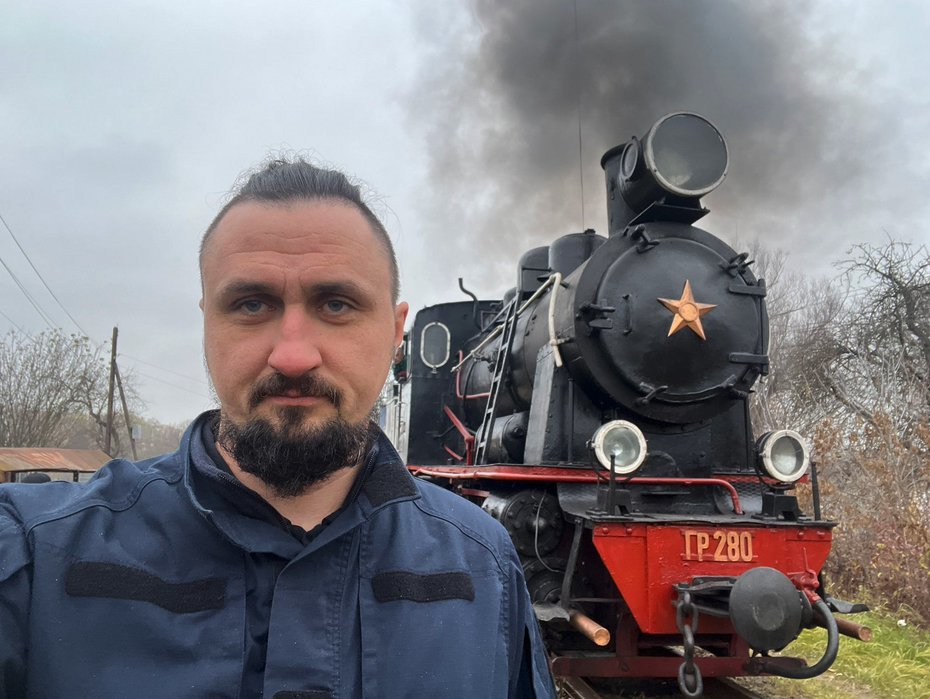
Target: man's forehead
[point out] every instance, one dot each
(314, 233)
(290, 227)
(293, 235)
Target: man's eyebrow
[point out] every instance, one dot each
(337, 288)
(344, 287)
(238, 287)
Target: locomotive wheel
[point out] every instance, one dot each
(532, 517)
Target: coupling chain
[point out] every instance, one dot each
(686, 618)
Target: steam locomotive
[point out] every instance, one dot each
(600, 412)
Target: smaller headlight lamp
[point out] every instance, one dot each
(624, 441)
(632, 164)
(784, 455)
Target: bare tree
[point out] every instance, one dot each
(850, 360)
(49, 385)
(854, 350)
(803, 315)
(885, 358)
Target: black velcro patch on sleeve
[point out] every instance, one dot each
(422, 587)
(114, 581)
(389, 482)
(305, 694)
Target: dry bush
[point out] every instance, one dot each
(851, 369)
(876, 487)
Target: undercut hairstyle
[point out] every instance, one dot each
(284, 181)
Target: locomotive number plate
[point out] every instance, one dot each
(721, 545)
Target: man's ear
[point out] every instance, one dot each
(201, 305)
(400, 317)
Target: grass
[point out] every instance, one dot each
(895, 664)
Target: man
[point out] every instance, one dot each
(400, 365)
(283, 551)
(36, 477)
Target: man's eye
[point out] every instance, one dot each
(252, 306)
(336, 306)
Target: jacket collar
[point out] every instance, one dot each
(388, 482)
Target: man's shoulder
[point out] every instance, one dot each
(449, 521)
(437, 501)
(393, 482)
(117, 485)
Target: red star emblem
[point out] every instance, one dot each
(687, 312)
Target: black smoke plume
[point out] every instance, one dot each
(807, 136)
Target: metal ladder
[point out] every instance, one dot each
(500, 367)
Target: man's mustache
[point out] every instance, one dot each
(306, 386)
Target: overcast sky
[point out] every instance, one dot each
(122, 124)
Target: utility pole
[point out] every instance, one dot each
(122, 397)
(106, 447)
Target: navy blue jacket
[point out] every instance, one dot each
(152, 582)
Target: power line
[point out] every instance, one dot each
(173, 385)
(47, 318)
(39, 275)
(28, 296)
(15, 325)
(578, 81)
(48, 321)
(161, 368)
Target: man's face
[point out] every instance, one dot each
(298, 290)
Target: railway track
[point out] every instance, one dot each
(575, 688)
(714, 688)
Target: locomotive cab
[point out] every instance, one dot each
(600, 411)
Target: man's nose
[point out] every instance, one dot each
(296, 345)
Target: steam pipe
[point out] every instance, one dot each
(589, 628)
(474, 311)
(860, 632)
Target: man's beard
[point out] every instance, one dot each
(290, 457)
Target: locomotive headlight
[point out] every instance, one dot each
(784, 455)
(686, 154)
(624, 441)
(682, 155)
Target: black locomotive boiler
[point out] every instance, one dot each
(600, 411)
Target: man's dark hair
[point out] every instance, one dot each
(288, 180)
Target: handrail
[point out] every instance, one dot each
(458, 390)
(466, 435)
(536, 473)
(497, 331)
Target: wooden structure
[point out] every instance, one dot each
(59, 464)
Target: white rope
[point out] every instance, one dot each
(554, 341)
(500, 328)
